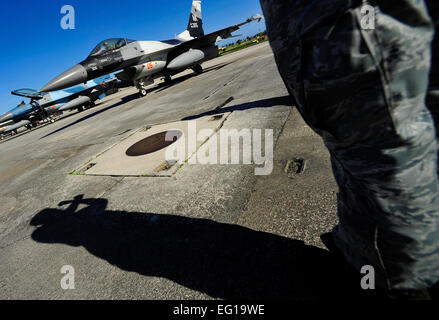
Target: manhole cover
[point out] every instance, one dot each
(154, 143)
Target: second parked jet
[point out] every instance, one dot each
(43, 106)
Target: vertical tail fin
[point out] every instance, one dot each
(195, 26)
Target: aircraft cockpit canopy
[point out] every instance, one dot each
(27, 93)
(109, 45)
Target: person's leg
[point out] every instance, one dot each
(364, 93)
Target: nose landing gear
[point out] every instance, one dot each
(142, 83)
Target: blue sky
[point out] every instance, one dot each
(35, 47)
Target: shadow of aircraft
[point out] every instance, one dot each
(175, 81)
(264, 103)
(160, 87)
(221, 260)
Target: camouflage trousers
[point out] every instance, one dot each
(364, 92)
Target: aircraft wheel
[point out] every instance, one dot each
(143, 92)
(198, 69)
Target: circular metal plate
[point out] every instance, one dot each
(154, 143)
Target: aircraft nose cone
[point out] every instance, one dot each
(6, 117)
(71, 77)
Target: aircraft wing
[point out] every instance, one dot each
(213, 37)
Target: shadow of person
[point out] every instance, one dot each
(221, 260)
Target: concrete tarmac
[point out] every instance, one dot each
(205, 232)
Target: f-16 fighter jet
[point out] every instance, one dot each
(43, 105)
(144, 61)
